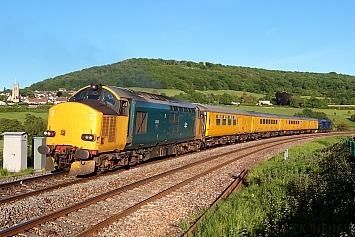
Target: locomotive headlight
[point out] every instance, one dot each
(49, 133)
(87, 137)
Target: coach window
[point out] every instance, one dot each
(224, 120)
(229, 120)
(234, 120)
(261, 121)
(218, 119)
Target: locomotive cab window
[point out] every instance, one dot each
(94, 94)
(124, 107)
(109, 98)
(79, 96)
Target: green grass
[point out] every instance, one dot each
(4, 173)
(234, 93)
(20, 116)
(279, 194)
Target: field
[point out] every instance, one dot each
(20, 116)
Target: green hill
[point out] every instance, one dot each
(188, 76)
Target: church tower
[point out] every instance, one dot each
(16, 92)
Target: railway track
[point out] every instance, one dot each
(22, 188)
(26, 187)
(86, 217)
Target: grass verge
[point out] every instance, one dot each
(311, 193)
(4, 173)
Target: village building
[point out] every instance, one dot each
(264, 102)
(15, 95)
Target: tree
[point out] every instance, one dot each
(198, 97)
(283, 98)
(311, 114)
(226, 99)
(34, 126)
(27, 92)
(296, 102)
(248, 99)
(10, 125)
(313, 102)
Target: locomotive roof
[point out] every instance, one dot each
(217, 109)
(148, 97)
(264, 114)
(306, 118)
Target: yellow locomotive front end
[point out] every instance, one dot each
(78, 132)
(73, 130)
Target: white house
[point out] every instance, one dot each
(264, 102)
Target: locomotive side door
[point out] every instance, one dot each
(200, 124)
(132, 109)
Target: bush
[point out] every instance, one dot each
(343, 127)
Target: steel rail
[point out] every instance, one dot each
(31, 179)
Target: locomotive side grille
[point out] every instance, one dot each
(109, 128)
(105, 126)
(112, 130)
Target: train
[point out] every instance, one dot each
(103, 127)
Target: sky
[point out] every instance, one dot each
(41, 39)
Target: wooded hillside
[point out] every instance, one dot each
(189, 76)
